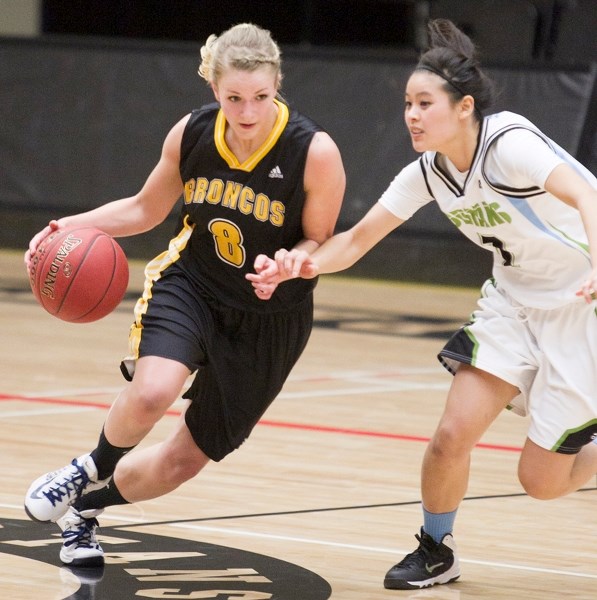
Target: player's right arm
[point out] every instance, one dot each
(138, 213)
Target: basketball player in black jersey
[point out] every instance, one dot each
(254, 176)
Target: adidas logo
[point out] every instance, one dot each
(275, 173)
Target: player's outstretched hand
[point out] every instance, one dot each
(37, 239)
(286, 265)
(295, 263)
(588, 289)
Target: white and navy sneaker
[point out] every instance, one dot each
(430, 564)
(50, 495)
(80, 547)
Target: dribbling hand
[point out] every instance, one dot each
(37, 239)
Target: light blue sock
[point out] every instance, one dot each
(438, 524)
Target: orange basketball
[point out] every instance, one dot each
(79, 275)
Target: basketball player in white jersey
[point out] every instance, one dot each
(532, 342)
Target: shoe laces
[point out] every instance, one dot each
(426, 549)
(70, 485)
(81, 534)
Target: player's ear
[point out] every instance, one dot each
(214, 88)
(467, 106)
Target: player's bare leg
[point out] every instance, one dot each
(141, 475)
(546, 475)
(157, 383)
(474, 401)
(154, 471)
(445, 471)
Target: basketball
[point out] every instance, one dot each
(79, 275)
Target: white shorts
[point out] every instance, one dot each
(550, 355)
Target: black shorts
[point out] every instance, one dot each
(242, 358)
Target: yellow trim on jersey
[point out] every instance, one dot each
(253, 160)
(153, 271)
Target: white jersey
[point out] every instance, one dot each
(541, 253)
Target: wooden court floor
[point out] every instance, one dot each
(318, 503)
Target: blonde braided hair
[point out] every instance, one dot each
(245, 47)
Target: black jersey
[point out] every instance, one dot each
(234, 211)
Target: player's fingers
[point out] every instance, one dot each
(264, 291)
(588, 291)
(280, 258)
(40, 236)
(290, 262)
(309, 271)
(298, 263)
(260, 262)
(35, 241)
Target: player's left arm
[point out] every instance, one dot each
(573, 189)
(324, 184)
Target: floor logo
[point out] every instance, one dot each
(142, 565)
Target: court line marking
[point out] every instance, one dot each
(268, 423)
(361, 548)
(46, 411)
(370, 387)
(350, 376)
(372, 378)
(284, 538)
(245, 533)
(306, 511)
(128, 520)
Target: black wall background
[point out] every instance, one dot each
(84, 117)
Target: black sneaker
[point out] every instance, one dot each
(430, 564)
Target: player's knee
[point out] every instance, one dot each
(535, 484)
(537, 489)
(149, 402)
(180, 467)
(448, 442)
